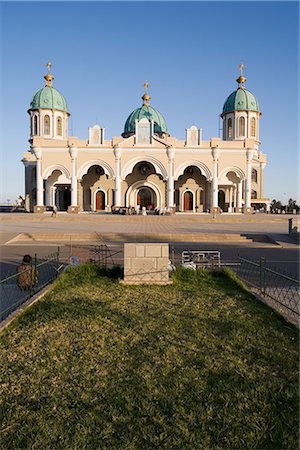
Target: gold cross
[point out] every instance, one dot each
(241, 67)
(146, 85)
(49, 65)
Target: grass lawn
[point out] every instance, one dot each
(199, 364)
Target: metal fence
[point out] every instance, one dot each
(12, 296)
(279, 290)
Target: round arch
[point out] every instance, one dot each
(237, 170)
(159, 167)
(132, 191)
(83, 170)
(202, 167)
(51, 169)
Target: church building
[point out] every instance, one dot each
(145, 165)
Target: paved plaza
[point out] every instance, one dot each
(251, 236)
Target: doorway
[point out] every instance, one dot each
(100, 201)
(63, 197)
(188, 201)
(146, 197)
(221, 200)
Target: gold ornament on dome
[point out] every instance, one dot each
(49, 77)
(146, 97)
(241, 79)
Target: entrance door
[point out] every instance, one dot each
(146, 197)
(188, 201)
(221, 200)
(63, 197)
(100, 201)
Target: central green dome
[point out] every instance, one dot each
(49, 98)
(147, 112)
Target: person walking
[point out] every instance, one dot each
(54, 211)
(27, 278)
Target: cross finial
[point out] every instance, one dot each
(49, 65)
(241, 68)
(146, 85)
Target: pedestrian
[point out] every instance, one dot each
(54, 211)
(27, 278)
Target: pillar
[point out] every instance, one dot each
(39, 182)
(230, 200)
(170, 187)
(249, 155)
(234, 198)
(74, 202)
(47, 193)
(214, 183)
(117, 153)
(261, 190)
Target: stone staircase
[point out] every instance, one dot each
(97, 238)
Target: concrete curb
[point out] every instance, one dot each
(4, 324)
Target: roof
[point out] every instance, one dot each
(49, 98)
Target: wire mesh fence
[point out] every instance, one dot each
(278, 289)
(16, 289)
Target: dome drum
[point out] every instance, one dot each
(149, 113)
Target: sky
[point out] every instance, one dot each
(189, 52)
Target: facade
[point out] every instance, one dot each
(144, 166)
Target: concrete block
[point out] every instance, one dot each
(153, 250)
(140, 251)
(165, 250)
(129, 250)
(162, 263)
(127, 262)
(143, 263)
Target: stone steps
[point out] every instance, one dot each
(127, 237)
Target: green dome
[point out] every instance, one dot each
(241, 100)
(49, 98)
(149, 113)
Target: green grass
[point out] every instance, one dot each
(199, 364)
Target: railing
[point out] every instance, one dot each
(199, 258)
(282, 290)
(12, 296)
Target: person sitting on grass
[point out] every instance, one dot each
(27, 278)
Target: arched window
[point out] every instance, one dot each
(253, 194)
(35, 125)
(229, 128)
(254, 175)
(47, 125)
(253, 127)
(59, 126)
(242, 126)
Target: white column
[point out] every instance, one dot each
(117, 153)
(47, 194)
(234, 197)
(239, 194)
(214, 183)
(248, 178)
(261, 190)
(73, 153)
(170, 196)
(39, 178)
(230, 200)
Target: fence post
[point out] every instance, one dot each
(264, 274)
(34, 273)
(260, 273)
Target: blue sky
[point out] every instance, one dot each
(188, 51)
